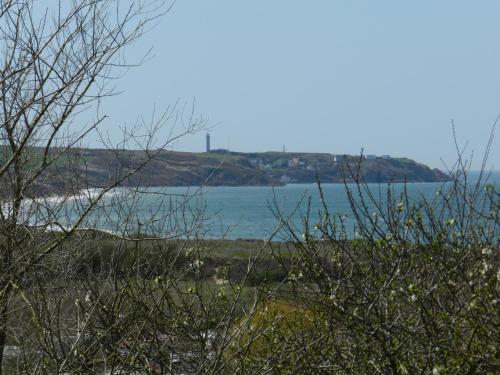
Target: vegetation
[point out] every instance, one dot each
(415, 292)
(403, 298)
(168, 168)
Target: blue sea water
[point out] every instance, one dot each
(227, 212)
(243, 212)
(250, 212)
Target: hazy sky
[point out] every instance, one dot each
(325, 75)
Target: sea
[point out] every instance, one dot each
(256, 212)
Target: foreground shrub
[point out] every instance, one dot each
(280, 335)
(417, 292)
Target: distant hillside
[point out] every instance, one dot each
(99, 168)
(221, 168)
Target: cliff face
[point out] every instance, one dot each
(250, 169)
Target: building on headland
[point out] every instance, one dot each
(208, 142)
(371, 157)
(337, 158)
(293, 163)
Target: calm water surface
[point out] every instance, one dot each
(247, 212)
(229, 212)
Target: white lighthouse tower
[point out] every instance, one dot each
(208, 142)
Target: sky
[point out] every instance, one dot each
(333, 76)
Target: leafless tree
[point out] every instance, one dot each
(57, 61)
(404, 297)
(79, 300)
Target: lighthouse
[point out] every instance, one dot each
(208, 142)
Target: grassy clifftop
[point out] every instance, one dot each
(79, 168)
(221, 168)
